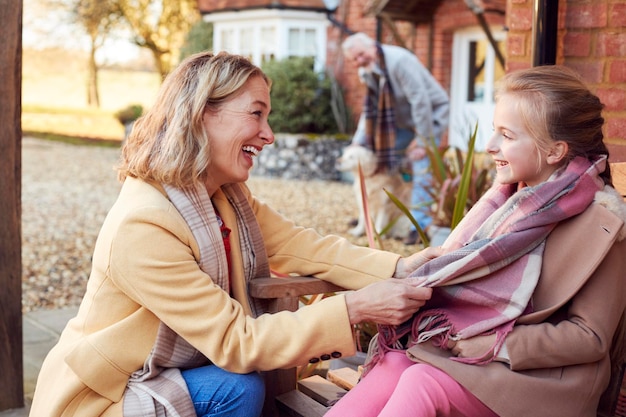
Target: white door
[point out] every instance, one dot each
(475, 70)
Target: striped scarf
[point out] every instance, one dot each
(158, 389)
(380, 127)
(492, 261)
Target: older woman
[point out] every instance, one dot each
(166, 326)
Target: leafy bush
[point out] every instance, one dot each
(301, 97)
(198, 39)
(129, 114)
(458, 182)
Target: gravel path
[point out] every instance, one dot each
(68, 189)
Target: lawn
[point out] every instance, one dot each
(54, 96)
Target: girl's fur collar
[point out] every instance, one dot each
(610, 199)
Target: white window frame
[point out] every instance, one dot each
(464, 114)
(282, 21)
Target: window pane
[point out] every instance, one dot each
(309, 42)
(228, 40)
(293, 42)
(268, 43)
(246, 42)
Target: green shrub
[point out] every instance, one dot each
(129, 114)
(198, 39)
(301, 98)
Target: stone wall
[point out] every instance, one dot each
(301, 157)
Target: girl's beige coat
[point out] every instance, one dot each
(559, 354)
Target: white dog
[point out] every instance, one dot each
(382, 210)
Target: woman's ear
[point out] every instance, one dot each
(557, 152)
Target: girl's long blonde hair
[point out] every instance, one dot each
(556, 105)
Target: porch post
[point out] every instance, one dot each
(12, 374)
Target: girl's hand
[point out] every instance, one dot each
(409, 264)
(474, 347)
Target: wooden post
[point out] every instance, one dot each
(12, 374)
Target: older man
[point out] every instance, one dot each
(404, 108)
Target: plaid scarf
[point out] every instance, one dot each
(492, 261)
(380, 127)
(159, 390)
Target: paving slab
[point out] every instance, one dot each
(41, 330)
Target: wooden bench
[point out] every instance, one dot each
(311, 397)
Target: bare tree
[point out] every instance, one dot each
(98, 18)
(160, 26)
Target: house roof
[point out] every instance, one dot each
(415, 11)
(422, 11)
(211, 6)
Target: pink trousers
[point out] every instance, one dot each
(398, 387)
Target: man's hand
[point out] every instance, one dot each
(415, 151)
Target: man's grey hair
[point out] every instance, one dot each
(358, 38)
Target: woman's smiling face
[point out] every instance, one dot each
(238, 130)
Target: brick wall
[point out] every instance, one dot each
(592, 40)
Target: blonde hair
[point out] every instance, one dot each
(169, 144)
(556, 105)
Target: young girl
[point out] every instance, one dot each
(529, 294)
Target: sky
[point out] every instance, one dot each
(46, 28)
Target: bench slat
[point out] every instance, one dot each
(345, 378)
(321, 390)
(297, 404)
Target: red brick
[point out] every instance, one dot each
(591, 71)
(614, 99)
(617, 15)
(616, 128)
(580, 16)
(611, 44)
(520, 19)
(617, 72)
(512, 66)
(577, 44)
(617, 152)
(516, 44)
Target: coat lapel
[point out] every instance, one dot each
(574, 249)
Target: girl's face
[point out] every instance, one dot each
(238, 131)
(514, 151)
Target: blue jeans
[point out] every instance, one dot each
(219, 393)
(421, 181)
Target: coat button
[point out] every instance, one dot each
(325, 357)
(314, 360)
(336, 355)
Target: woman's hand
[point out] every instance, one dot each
(409, 264)
(387, 302)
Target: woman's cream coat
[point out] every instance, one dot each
(145, 270)
(559, 354)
